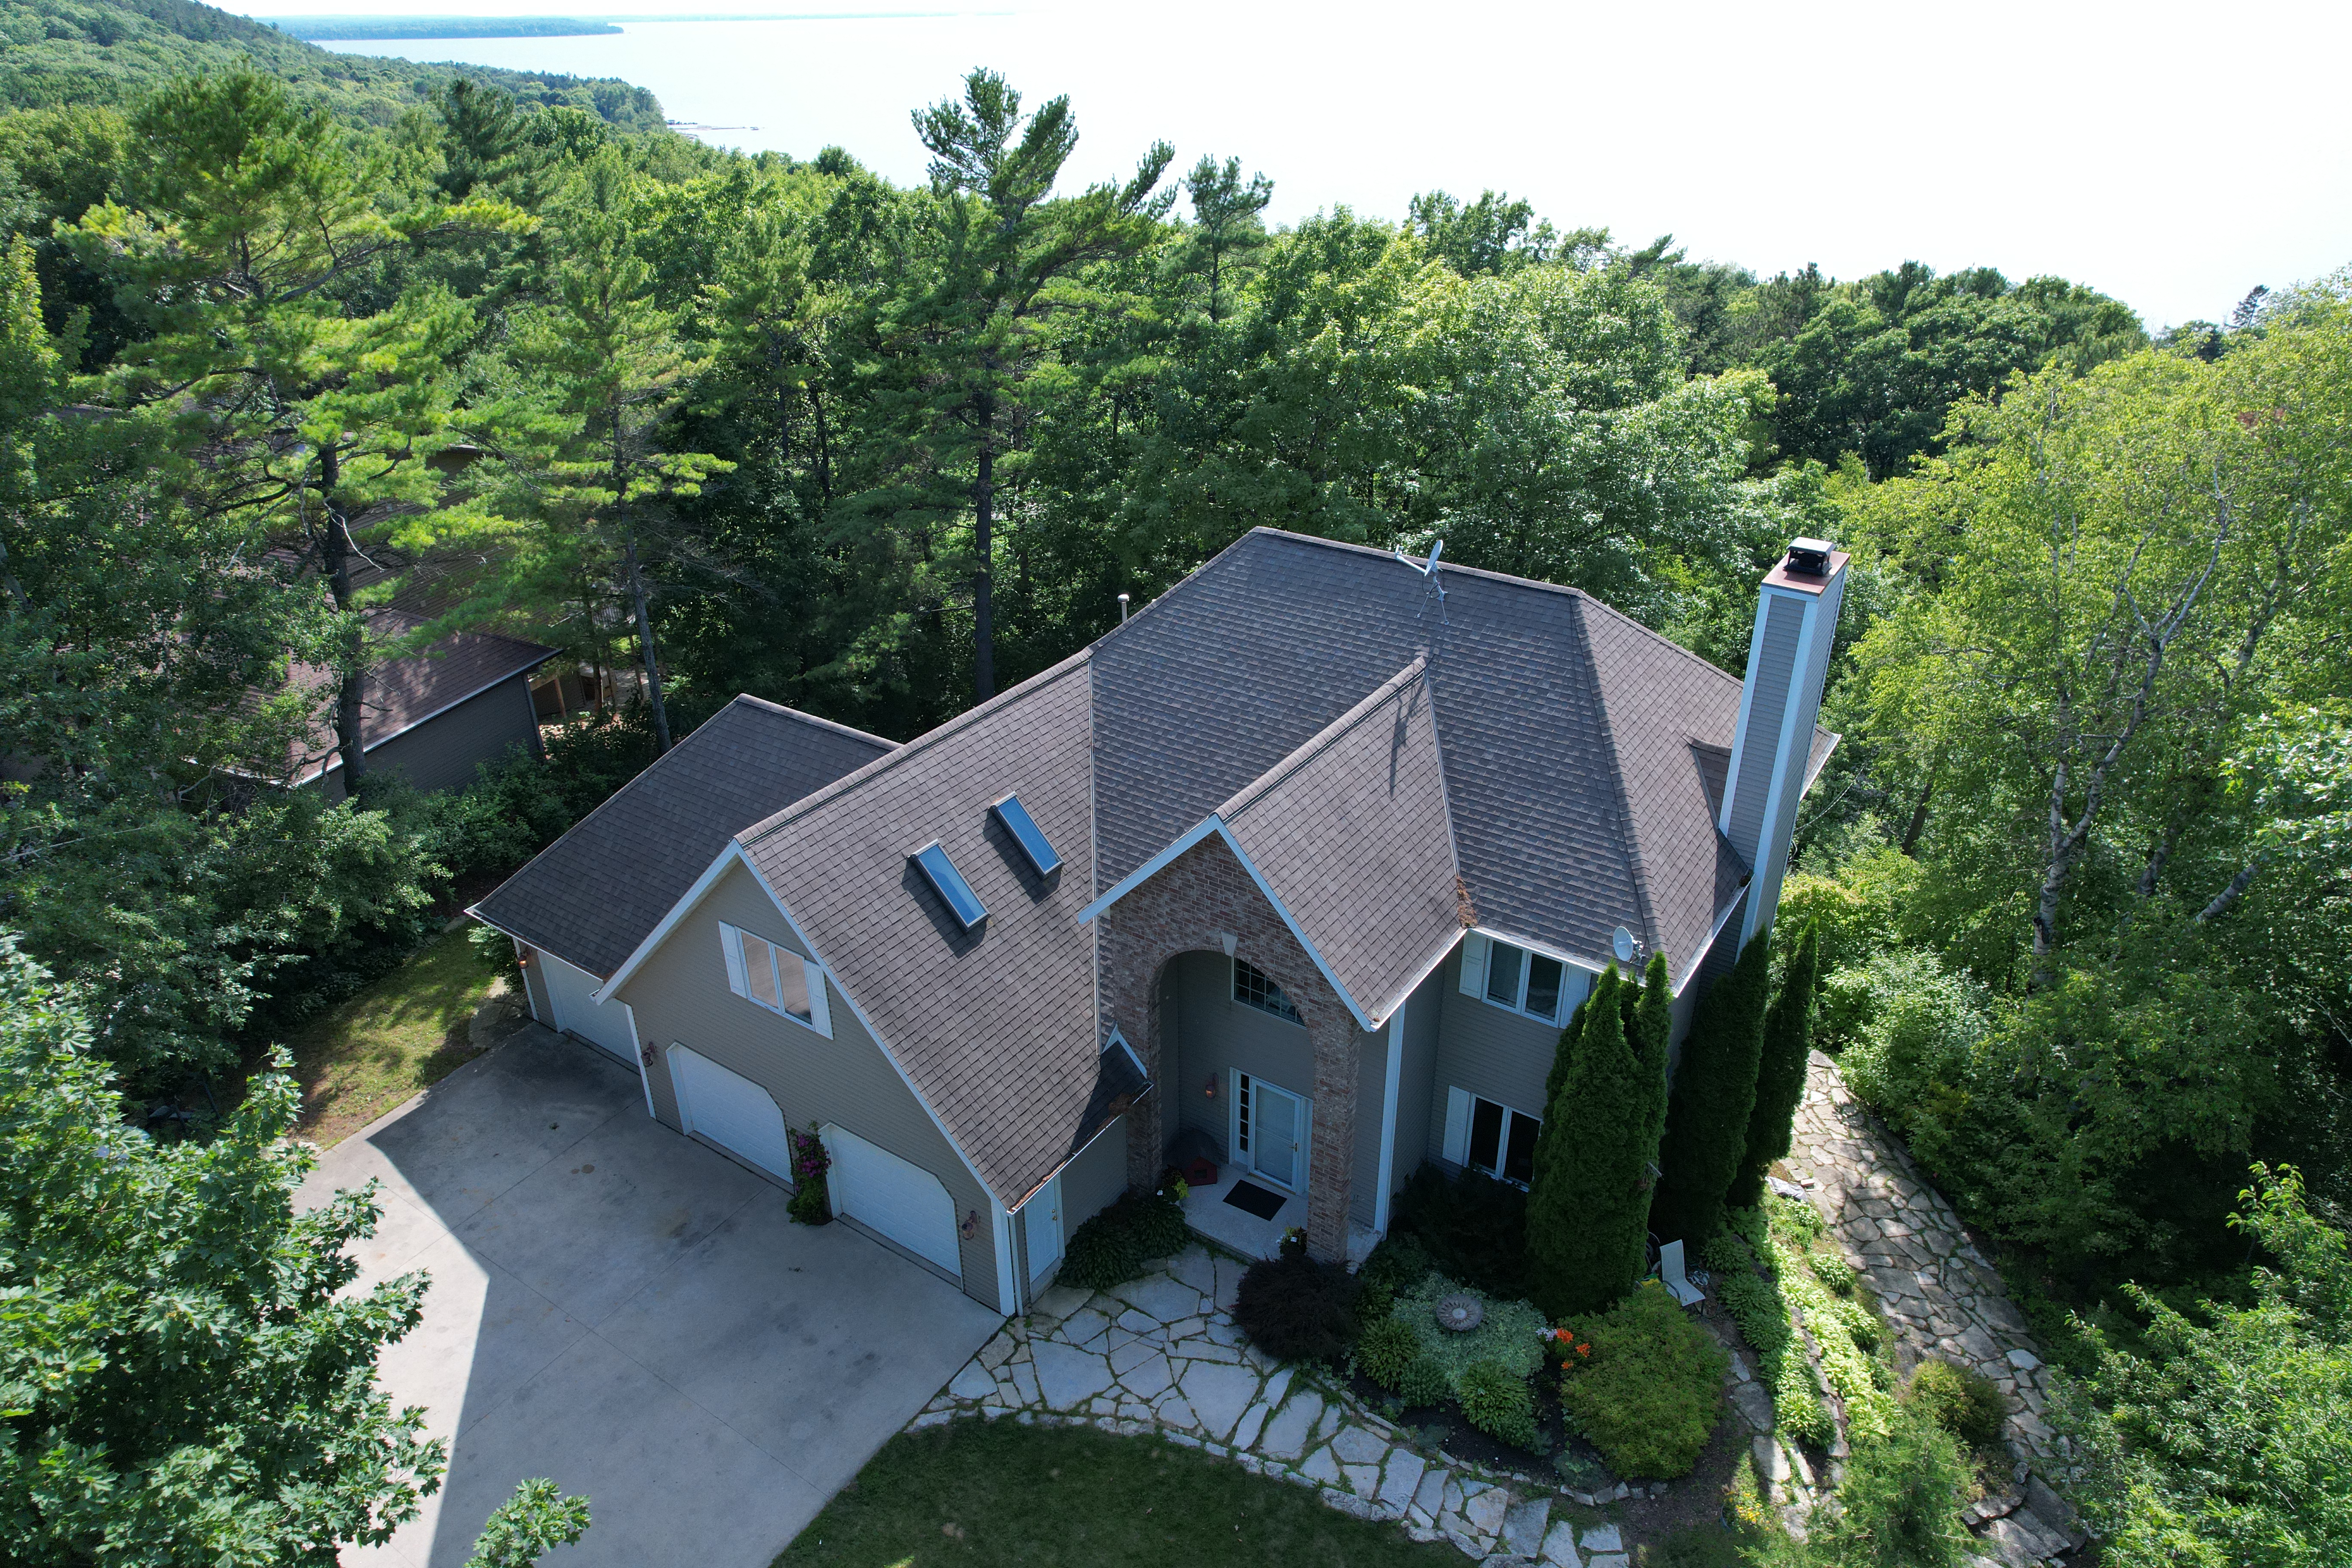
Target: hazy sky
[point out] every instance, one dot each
(2172, 155)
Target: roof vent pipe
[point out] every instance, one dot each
(1122, 609)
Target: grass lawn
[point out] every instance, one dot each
(977, 1493)
(409, 1030)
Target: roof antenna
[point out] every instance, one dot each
(1429, 569)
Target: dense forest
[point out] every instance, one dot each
(749, 423)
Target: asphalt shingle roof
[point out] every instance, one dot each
(401, 693)
(591, 896)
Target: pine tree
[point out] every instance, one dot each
(1780, 1078)
(1587, 1211)
(1714, 1095)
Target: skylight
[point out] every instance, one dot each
(1025, 831)
(953, 890)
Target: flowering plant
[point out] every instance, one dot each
(808, 1204)
(1574, 1352)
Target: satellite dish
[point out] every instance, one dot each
(1426, 568)
(1624, 946)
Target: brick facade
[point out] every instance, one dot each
(1195, 904)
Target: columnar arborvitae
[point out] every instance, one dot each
(1714, 1095)
(1588, 1210)
(1780, 1077)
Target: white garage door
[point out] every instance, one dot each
(571, 993)
(730, 1111)
(893, 1198)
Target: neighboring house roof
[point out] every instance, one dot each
(993, 1027)
(1392, 767)
(401, 693)
(591, 896)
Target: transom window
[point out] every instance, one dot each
(1503, 1141)
(776, 978)
(1252, 988)
(1524, 981)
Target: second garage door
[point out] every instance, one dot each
(893, 1198)
(571, 993)
(729, 1110)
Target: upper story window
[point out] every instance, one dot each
(1524, 981)
(1253, 988)
(777, 978)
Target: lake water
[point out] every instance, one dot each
(1754, 133)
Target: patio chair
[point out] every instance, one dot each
(1670, 1271)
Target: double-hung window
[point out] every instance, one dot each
(1525, 981)
(1490, 1136)
(1253, 988)
(775, 977)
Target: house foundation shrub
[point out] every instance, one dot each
(1386, 1351)
(1961, 1400)
(1114, 1245)
(1425, 1382)
(1295, 1308)
(1498, 1403)
(810, 1204)
(1643, 1382)
(1469, 1227)
(1787, 1044)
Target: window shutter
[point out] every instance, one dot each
(730, 942)
(1458, 1124)
(1474, 965)
(1575, 985)
(820, 1011)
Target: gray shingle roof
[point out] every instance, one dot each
(1353, 825)
(401, 693)
(995, 1027)
(591, 896)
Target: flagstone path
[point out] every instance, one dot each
(1162, 1353)
(1940, 1295)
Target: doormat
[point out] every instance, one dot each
(1250, 1198)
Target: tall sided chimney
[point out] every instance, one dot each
(1787, 658)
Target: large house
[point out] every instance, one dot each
(1298, 870)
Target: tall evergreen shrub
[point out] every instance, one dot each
(1780, 1077)
(1588, 1212)
(1706, 1147)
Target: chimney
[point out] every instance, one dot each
(1787, 658)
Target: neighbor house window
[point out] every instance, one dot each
(1524, 981)
(1252, 988)
(1490, 1136)
(776, 978)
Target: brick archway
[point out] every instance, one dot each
(1204, 902)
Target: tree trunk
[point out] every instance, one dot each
(1919, 823)
(983, 496)
(637, 593)
(335, 547)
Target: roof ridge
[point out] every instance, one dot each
(804, 716)
(1259, 787)
(922, 743)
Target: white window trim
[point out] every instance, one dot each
(1475, 960)
(1233, 992)
(1460, 1105)
(820, 1019)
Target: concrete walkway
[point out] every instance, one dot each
(631, 1314)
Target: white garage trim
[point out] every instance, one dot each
(571, 997)
(893, 1198)
(721, 1105)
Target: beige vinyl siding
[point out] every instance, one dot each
(1093, 1181)
(1417, 1085)
(1498, 1056)
(1216, 1035)
(1371, 1089)
(680, 996)
(443, 752)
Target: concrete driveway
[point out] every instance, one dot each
(627, 1312)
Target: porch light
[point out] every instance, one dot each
(1212, 1090)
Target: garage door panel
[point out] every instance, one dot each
(572, 994)
(733, 1112)
(892, 1197)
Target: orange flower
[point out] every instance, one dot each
(1584, 1350)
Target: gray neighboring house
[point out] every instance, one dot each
(1298, 871)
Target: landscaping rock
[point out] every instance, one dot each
(1559, 1546)
(1400, 1478)
(1483, 1512)
(1149, 1378)
(1197, 1268)
(1166, 1299)
(1174, 1411)
(1524, 1525)
(1293, 1426)
(1026, 1386)
(1357, 1447)
(1081, 1325)
(1364, 1480)
(974, 1382)
(1066, 1378)
(1609, 1560)
(1321, 1468)
(1219, 1394)
(1601, 1537)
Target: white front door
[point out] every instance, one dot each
(571, 997)
(892, 1197)
(722, 1105)
(1042, 1223)
(1272, 1132)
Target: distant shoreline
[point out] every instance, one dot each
(396, 29)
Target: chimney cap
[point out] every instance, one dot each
(1809, 556)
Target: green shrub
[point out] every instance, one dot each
(1912, 1027)
(1469, 1227)
(1795, 1219)
(1424, 1381)
(1103, 1253)
(1900, 1502)
(1386, 1349)
(1512, 1336)
(1960, 1400)
(1295, 1308)
(1859, 1322)
(1650, 1392)
(1399, 1263)
(809, 1206)
(1499, 1404)
(1726, 1254)
(1750, 1226)
(1835, 1272)
(1755, 1305)
(1802, 1415)
(1156, 1221)
(492, 947)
